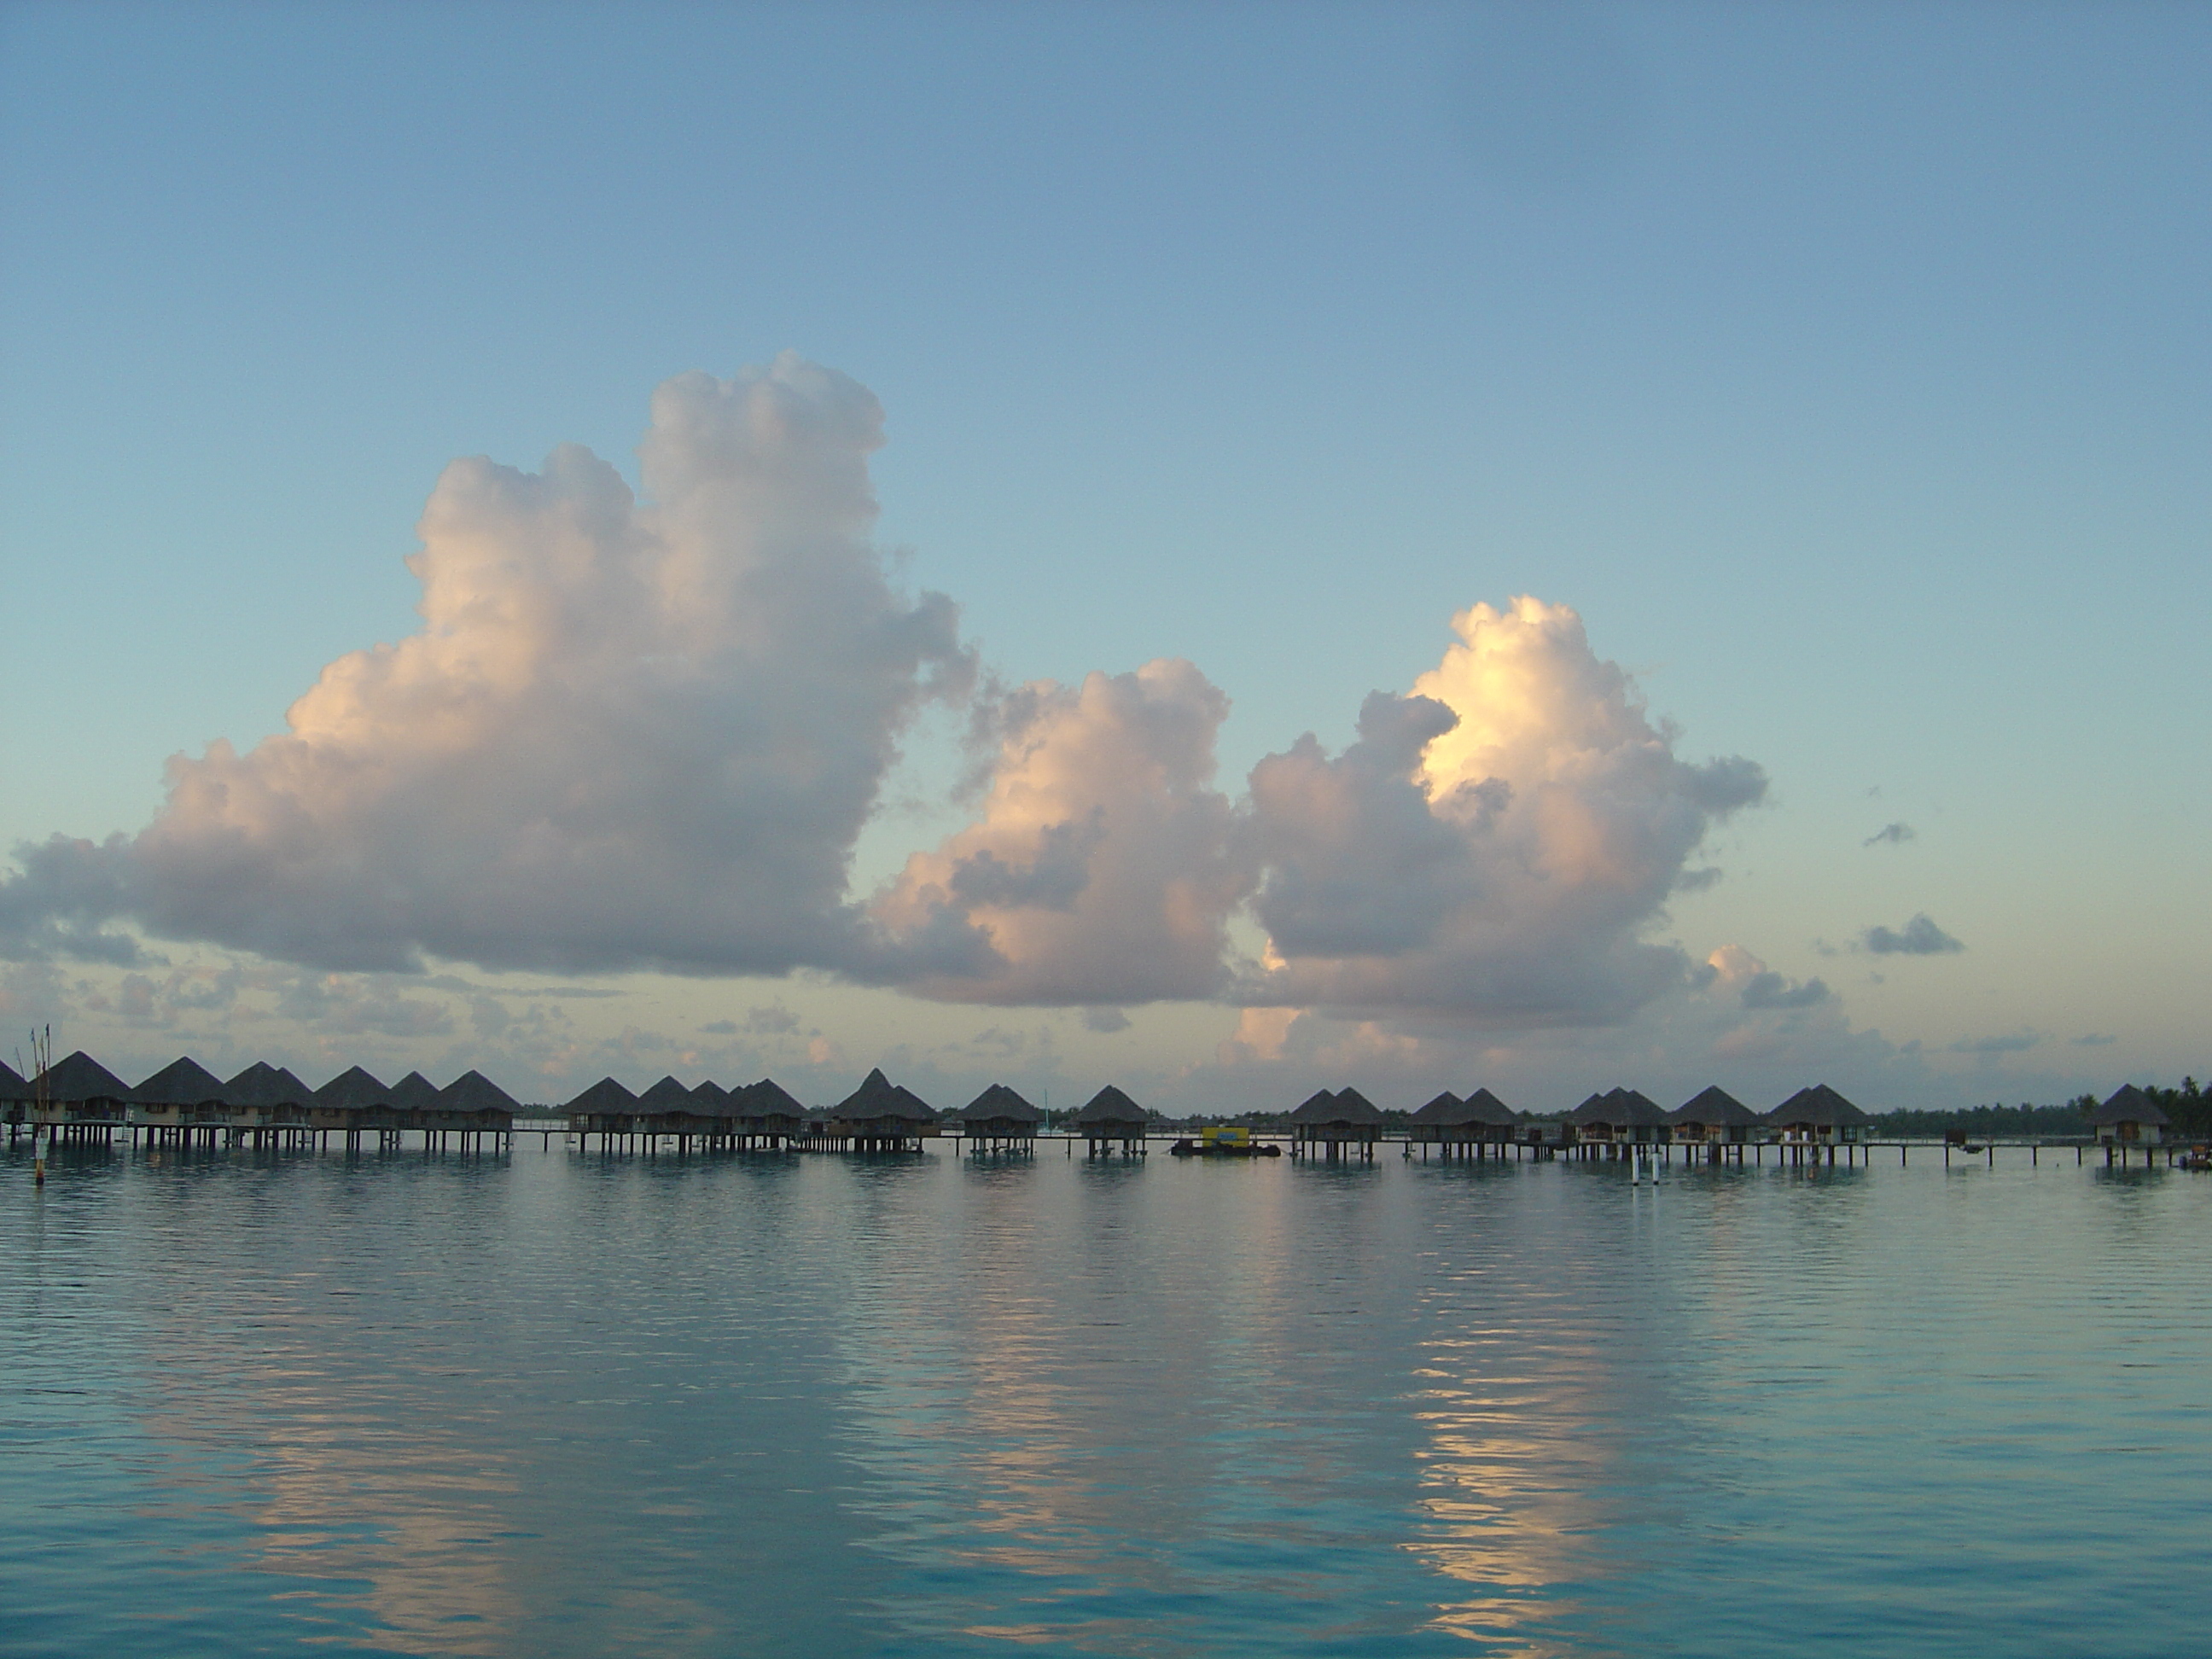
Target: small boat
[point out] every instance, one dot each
(1224, 1141)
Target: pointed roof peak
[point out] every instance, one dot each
(1110, 1105)
(354, 1087)
(413, 1093)
(264, 1084)
(183, 1082)
(81, 1077)
(604, 1096)
(472, 1091)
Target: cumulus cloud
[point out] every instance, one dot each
(645, 731)
(1892, 835)
(1099, 871)
(1492, 848)
(1919, 937)
(629, 733)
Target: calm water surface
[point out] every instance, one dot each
(556, 1404)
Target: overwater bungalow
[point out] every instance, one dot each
(352, 1103)
(1817, 1116)
(79, 1100)
(15, 1097)
(1109, 1118)
(604, 1110)
(181, 1103)
(472, 1106)
(2130, 1118)
(767, 1114)
(1617, 1118)
(668, 1108)
(1445, 1120)
(1334, 1121)
(1501, 1123)
(414, 1102)
(879, 1116)
(999, 1119)
(1464, 1127)
(715, 1109)
(266, 1103)
(1712, 1119)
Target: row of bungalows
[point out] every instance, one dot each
(1621, 1120)
(1479, 1124)
(878, 1117)
(761, 1114)
(184, 1103)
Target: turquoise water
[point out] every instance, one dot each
(557, 1404)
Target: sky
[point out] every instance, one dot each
(1226, 550)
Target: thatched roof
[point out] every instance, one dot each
(1624, 1107)
(711, 1099)
(12, 1086)
(877, 1098)
(1345, 1106)
(414, 1093)
(1489, 1108)
(766, 1099)
(1000, 1104)
(1714, 1106)
(80, 1078)
(472, 1091)
(352, 1088)
(183, 1082)
(2127, 1104)
(604, 1098)
(1109, 1105)
(1445, 1111)
(1638, 1108)
(264, 1084)
(665, 1096)
(1817, 1106)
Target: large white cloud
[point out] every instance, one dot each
(1493, 848)
(639, 734)
(629, 733)
(1101, 867)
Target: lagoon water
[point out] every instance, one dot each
(550, 1403)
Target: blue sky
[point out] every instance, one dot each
(1843, 368)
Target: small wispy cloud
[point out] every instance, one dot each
(1106, 1021)
(2094, 1040)
(1919, 937)
(2012, 1043)
(1892, 834)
